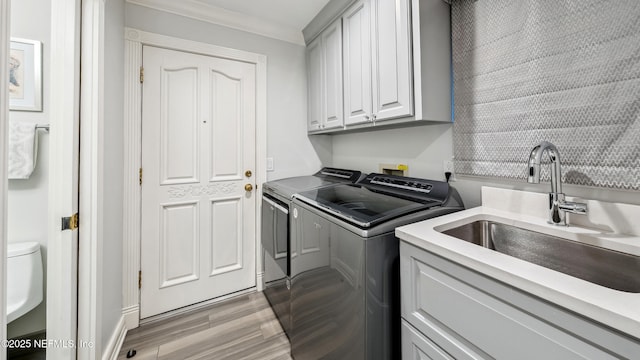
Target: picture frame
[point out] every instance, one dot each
(25, 75)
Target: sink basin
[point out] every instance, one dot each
(598, 265)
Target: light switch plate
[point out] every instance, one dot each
(269, 164)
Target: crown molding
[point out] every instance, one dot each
(216, 15)
(329, 13)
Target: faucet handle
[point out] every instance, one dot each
(573, 207)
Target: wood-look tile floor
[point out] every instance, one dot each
(243, 327)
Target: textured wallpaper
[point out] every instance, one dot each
(563, 71)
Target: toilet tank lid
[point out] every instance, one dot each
(22, 248)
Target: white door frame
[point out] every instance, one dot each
(5, 30)
(64, 120)
(134, 40)
(64, 109)
(91, 236)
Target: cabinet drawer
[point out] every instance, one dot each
(453, 305)
(416, 346)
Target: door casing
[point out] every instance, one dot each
(4, 182)
(62, 270)
(134, 40)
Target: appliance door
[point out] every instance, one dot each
(275, 244)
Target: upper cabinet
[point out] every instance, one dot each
(358, 104)
(314, 85)
(396, 60)
(324, 66)
(377, 61)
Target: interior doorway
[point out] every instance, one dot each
(55, 176)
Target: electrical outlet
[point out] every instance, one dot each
(269, 164)
(448, 167)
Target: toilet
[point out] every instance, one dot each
(24, 278)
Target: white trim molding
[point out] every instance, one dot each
(216, 15)
(113, 347)
(90, 263)
(64, 138)
(5, 31)
(134, 41)
(131, 313)
(131, 200)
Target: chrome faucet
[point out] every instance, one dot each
(558, 207)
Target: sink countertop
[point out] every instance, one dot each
(617, 309)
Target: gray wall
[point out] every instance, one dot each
(293, 152)
(28, 199)
(421, 148)
(424, 149)
(111, 284)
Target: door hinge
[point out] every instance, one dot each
(140, 279)
(141, 74)
(140, 176)
(70, 222)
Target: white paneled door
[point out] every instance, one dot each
(198, 149)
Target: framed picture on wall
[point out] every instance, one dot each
(25, 75)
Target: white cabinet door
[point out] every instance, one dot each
(356, 24)
(377, 61)
(391, 59)
(472, 316)
(332, 92)
(315, 75)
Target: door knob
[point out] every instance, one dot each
(248, 173)
(248, 187)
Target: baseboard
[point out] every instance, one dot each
(131, 316)
(260, 281)
(112, 349)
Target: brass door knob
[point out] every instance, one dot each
(248, 173)
(248, 187)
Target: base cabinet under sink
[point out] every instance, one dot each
(450, 311)
(416, 346)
